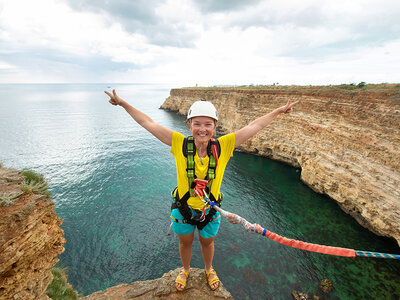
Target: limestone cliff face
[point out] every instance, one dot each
(346, 142)
(30, 240)
(164, 288)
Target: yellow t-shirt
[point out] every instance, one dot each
(227, 143)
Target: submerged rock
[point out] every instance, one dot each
(299, 295)
(164, 288)
(326, 285)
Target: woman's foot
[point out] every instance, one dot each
(212, 279)
(180, 281)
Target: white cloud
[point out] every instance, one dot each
(53, 25)
(4, 65)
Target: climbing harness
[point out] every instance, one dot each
(189, 151)
(337, 251)
(196, 186)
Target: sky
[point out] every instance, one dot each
(200, 42)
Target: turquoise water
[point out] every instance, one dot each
(111, 180)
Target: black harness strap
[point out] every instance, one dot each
(184, 209)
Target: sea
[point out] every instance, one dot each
(111, 181)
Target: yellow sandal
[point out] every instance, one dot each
(213, 280)
(180, 280)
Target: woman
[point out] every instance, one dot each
(200, 157)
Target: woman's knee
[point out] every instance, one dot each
(206, 242)
(186, 240)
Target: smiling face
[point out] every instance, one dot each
(202, 128)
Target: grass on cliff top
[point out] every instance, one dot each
(35, 183)
(392, 90)
(7, 199)
(59, 288)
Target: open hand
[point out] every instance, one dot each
(114, 99)
(288, 107)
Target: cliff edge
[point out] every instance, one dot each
(30, 237)
(345, 139)
(164, 288)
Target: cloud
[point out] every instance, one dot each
(136, 12)
(210, 6)
(6, 66)
(39, 42)
(319, 29)
(205, 42)
(158, 20)
(43, 65)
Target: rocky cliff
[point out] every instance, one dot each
(164, 288)
(30, 238)
(345, 139)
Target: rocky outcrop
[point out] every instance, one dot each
(30, 239)
(164, 288)
(345, 139)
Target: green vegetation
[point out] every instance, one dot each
(382, 87)
(31, 176)
(7, 199)
(352, 86)
(361, 84)
(390, 91)
(59, 288)
(35, 183)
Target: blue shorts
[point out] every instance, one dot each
(210, 230)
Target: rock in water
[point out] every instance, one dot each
(299, 295)
(326, 285)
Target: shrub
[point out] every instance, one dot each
(35, 183)
(7, 199)
(59, 288)
(361, 84)
(32, 176)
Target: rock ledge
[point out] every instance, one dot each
(164, 288)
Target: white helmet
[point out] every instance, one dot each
(202, 108)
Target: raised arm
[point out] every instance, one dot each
(162, 133)
(248, 131)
